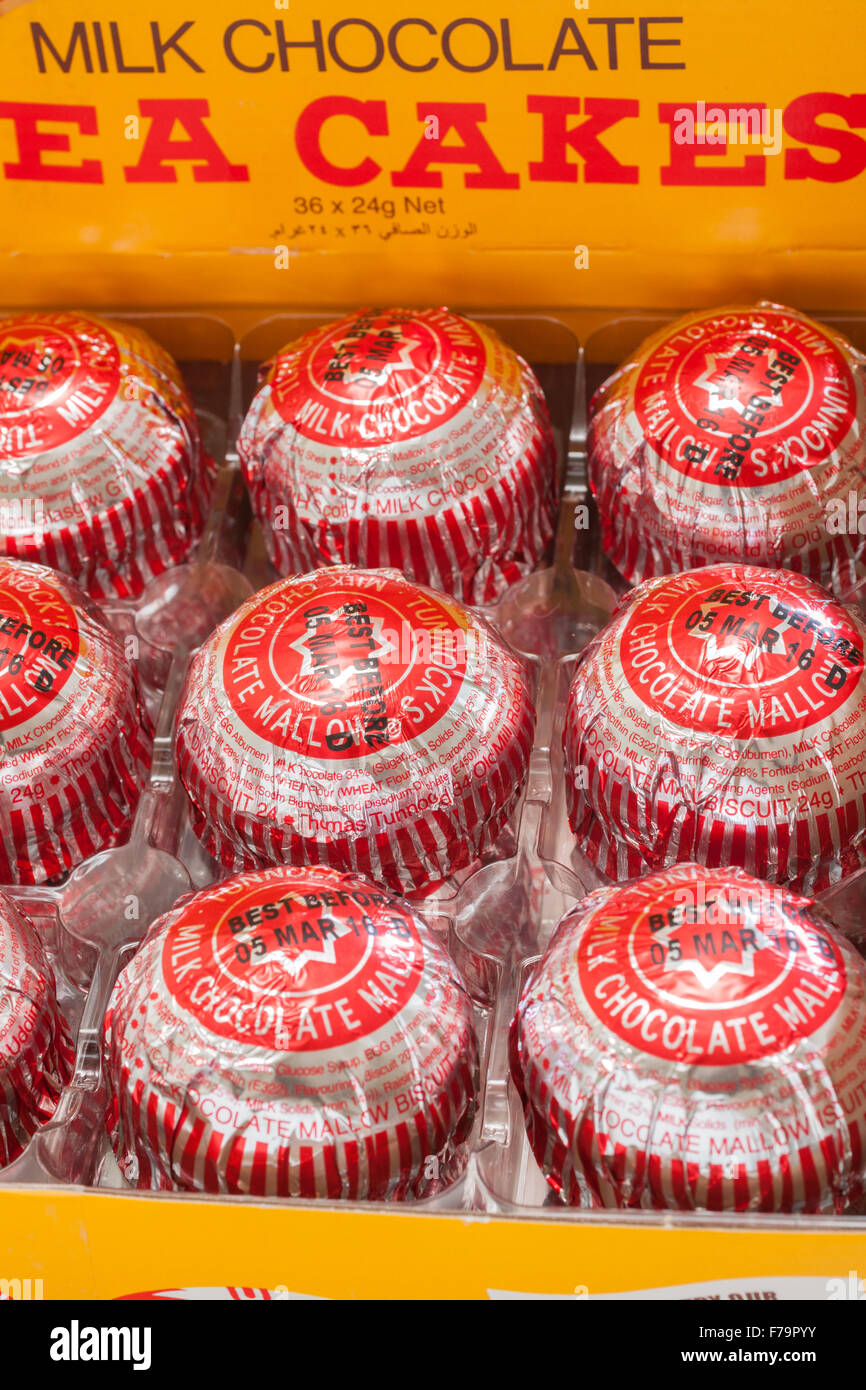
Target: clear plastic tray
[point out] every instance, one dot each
(496, 916)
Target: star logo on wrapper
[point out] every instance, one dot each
(57, 376)
(380, 647)
(732, 650)
(294, 967)
(727, 390)
(745, 399)
(397, 375)
(723, 392)
(277, 973)
(326, 669)
(379, 378)
(713, 980)
(695, 955)
(39, 645)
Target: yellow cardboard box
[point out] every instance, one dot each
(567, 154)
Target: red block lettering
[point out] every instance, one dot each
(684, 167)
(463, 117)
(600, 166)
(373, 116)
(801, 123)
(32, 142)
(210, 163)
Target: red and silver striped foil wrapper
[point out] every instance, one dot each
(352, 718)
(721, 717)
(75, 738)
(734, 434)
(291, 1033)
(696, 1040)
(102, 472)
(36, 1052)
(408, 438)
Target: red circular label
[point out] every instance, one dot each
(296, 966)
(745, 398)
(39, 644)
(737, 650)
(57, 375)
(379, 377)
(709, 972)
(339, 671)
